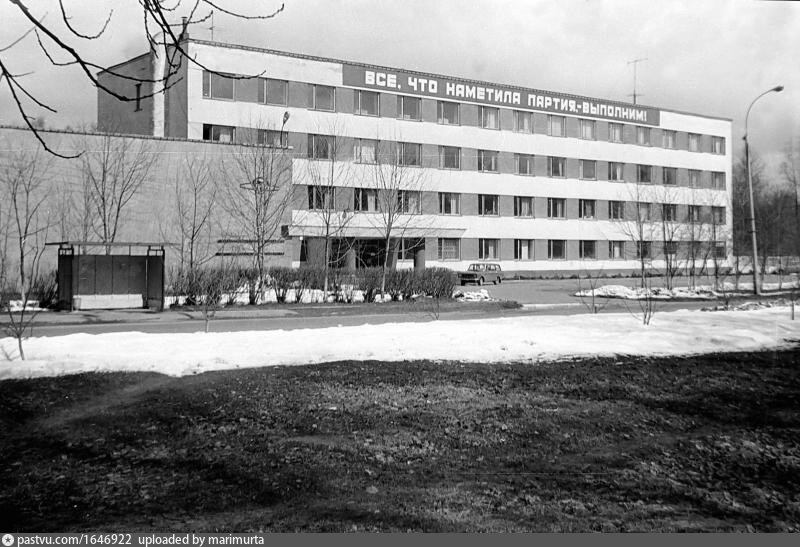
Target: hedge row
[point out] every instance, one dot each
(342, 284)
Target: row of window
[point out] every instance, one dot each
(410, 154)
(489, 249)
(367, 200)
(367, 103)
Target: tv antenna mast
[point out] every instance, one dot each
(635, 63)
(212, 27)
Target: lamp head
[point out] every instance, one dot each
(778, 88)
(286, 115)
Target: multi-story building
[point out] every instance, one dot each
(534, 180)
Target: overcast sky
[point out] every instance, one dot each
(706, 56)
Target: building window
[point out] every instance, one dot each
(695, 213)
(365, 151)
(217, 86)
(488, 249)
(271, 137)
(409, 202)
(644, 249)
(718, 145)
(643, 210)
(138, 98)
(720, 250)
(644, 173)
(487, 204)
(449, 157)
(670, 248)
(588, 249)
(670, 175)
(616, 250)
(367, 103)
(523, 206)
(718, 180)
(410, 153)
(365, 200)
(694, 178)
(556, 249)
(556, 208)
(408, 248)
(449, 203)
(320, 147)
(524, 164)
(523, 121)
(323, 97)
(556, 167)
(616, 210)
(718, 215)
(556, 126)
(694, 142)
(614, 132)
(273, 92)
(616, 171)
(320, 197)
(448, 248)
(642, 135)
(408, 108)
(490, 117)
(523, 249)
(487, 160)
(669, 138)
(669, 212)
(448, 113)
(588, 129)
(586, 208)
(218, 133)
(588, 169)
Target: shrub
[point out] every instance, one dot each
(369, 281)
(45, 289)
(282, 280)
(436, 282)
(400, 283)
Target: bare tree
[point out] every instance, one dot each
(66, 43)
(22, 179)
(328, 170)
(114, 171)
(790, 168)
(669, 229)
(639, 226)
(256, 194)
(399, 184)
(195, 193)
(694, 232)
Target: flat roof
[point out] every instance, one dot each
(433, 74)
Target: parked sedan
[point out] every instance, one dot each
(481, 273)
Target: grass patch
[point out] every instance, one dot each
(628, 444)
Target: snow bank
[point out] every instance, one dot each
(701, 292)
(526, 338)
(473, 296)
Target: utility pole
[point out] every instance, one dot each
(635, 63)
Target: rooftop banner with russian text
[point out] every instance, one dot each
(496, 95)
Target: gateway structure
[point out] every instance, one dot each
(534, 180)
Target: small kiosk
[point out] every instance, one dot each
(94, 275)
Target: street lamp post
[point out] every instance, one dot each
(756, 286)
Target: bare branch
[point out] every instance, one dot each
(77, 33)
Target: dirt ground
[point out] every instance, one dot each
(705, 443)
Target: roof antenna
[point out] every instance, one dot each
(212, 27)
(635, 63)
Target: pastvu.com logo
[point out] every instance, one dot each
(8, 540)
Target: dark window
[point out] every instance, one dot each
(524, 164)
(320, 147)
(670, 175)
(616, 210)
(556, 167)
(365, 199)
(556, 126)
(718, 145)
(669, 212)
(523, 121)
(218, 133)
(274, 92)
(490, 117)
(556, 207)
(487, 160)
(270, 137)
(615, 132)
(588, 169)
(556, 249)
(487, 204)
(448, 249)
(410, 153)
(218, 86)
(365, 151)
(718, 180)
(449, 203)
(409, 202)
(616, 250)
(669, 139)
(694, 178)
(450, 157)
(718, 215)
(367, 103)
(320, 197)
(488, 249)
(695, 213)
(616, 171)
(448, 113)
(523, 249)
(523, 206)
(588, 249)
(643, 249)
(323, 97)
(408, 108)
(586, 208)
(644, 173)
(588, 129)
(643, 135)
